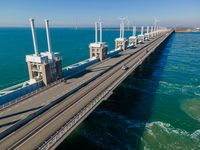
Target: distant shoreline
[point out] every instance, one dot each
(177, 29)
(187, 30)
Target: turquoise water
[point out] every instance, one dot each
(15, 43)
(155, 108)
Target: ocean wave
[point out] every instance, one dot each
(196, 134)
(160, 135)
(122, 131)
(164, 87)
(172, 88)
(197, 93)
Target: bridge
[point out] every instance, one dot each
(43, 119)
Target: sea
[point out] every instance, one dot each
(156, 108)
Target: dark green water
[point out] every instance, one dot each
(156, 108)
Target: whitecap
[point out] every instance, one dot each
(160, 135)
(196, 134)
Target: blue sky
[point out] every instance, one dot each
(66, 12)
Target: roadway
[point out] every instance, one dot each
(15, 113)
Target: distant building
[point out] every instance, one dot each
(121, 42)
(141, 36)
(146, 35)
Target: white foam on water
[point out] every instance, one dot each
(163, 136)
(197, 92)
(156, 135)
(172, 88)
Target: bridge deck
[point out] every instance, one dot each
(34, 133)
(11, 115)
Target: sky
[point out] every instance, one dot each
(66, 13)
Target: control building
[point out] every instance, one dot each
(98, 49)
(133, 38)
(141, 36)
(121, 42)
(151, 32)
(45, 66)
(146, 35)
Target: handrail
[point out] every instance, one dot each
(19, 99)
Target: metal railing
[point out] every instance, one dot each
(69, 125)
(17, 100)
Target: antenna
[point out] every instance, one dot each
(34, 36)
(147, 29)
(48, 35)
(120, 30)
(134, 30)
(100, 26)
(100, 30)
(142, 30)
(151, 28)
(96, 32)
(122, 26)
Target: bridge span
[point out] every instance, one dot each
(44, 120)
